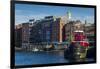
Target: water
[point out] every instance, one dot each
(32, 58)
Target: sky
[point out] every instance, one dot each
(24, 12)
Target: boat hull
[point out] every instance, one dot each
(75, 51)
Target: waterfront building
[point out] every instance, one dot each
(70, 27)
(47, 30)
(18, 35)
(57, 30)
(26, 27)
(22, 34)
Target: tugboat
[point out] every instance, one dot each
(78, 47)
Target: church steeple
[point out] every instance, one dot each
(69, 15)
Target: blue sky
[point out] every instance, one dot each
(24, 12)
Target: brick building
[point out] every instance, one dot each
(47, 30)
(22, 34)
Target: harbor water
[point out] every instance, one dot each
(44, 57)
(32, 58)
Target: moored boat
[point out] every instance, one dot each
(78, 46)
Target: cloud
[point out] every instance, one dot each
(25, 18)
(89, 19)
(22, 16)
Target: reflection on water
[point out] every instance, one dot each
(29, 58)
(32, 58)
